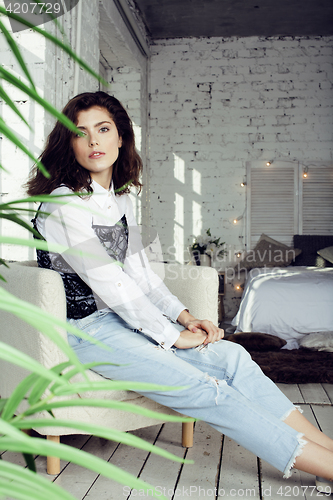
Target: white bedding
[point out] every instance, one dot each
(287, 302)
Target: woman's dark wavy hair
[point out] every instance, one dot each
(58, 156)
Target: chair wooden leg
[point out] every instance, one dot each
(187, 434)
(53, 463)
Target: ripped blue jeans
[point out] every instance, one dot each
(224, 387)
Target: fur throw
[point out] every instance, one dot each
(298, 366)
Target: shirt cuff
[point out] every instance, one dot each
(174, 309)
(170, 336)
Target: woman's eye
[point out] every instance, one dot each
(104, 129)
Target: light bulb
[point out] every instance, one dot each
(305, 175)
(238, 287)
(268, 163)
(235, 221)
(243, 184)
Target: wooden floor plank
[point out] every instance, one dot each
(314, 394)
(78, 480)
(14, 458)
(292, 392)
(199, 480)
(127, 458)
(274, 487)
(159, 471)
(328, 388)
(239, 472)
(324, 415)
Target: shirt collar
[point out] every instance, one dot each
(100, 194)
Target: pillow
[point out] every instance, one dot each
(326, 253)
(253, 341)
(321, 341)
(268, 253)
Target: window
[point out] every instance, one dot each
(287, 198)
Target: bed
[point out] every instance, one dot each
(292, 302)
(288, 302)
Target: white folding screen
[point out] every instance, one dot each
(316, 194)
(287, 198)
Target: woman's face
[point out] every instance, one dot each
(98, 148)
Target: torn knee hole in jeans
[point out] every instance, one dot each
(214, 382)
(204, 348)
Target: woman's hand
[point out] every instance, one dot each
(188, 339)
(213, 333)
(208, 331)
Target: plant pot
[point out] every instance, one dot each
(205, 260)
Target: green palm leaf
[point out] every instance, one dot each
(47, 324)
(29, 480)
(111, 385)
(104, 403)
(20, 222)
(40, 386)
(10, 134)
(10, 78)
(17, 53)
(26, 491)
(98, 430)
(5, 97)
(12, 355)
(18, 395)
(64, 452)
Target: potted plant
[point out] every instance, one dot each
(205, 248)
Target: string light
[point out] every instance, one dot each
(243, 183)
(305, 172)
(238, 287)
(269, 163)
(238, 254)
(237, 219)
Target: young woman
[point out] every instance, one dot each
(113, 295)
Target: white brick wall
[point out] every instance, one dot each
(128, 85)
(217, 103)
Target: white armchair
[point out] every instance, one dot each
(196, 287)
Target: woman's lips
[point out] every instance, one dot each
(96, 154)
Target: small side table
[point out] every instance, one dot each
(221, 292)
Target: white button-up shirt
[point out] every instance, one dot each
(132, 290)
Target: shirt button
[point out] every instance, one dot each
(109, 207)
(119, 284)
(162, 343)
(140, 329)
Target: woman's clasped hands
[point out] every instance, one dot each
(197, 332)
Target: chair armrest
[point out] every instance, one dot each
(195, 286)
(42, 288)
